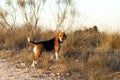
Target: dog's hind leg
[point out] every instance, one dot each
(37, 52)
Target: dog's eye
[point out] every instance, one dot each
(60, 35)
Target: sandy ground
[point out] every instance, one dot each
(8, 71)
(12, 71)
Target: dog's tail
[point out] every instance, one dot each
(31, 41)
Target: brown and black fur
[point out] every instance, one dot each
(49, 45)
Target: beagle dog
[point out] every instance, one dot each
(49, 45)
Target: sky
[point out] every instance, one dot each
(103, 13)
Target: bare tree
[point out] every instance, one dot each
(12, 13)
(31, 11)
(5, 13)
(65, 12)
(3, 18)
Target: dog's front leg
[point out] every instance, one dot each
(52, 55)
(33, 64)
(56, 55)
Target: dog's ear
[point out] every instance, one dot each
(65, 36)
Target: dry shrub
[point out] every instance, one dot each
(115, 41)
(15, 39)
(93, 63)
(80, 39)
(43, 61)
(16, 42)
(86, 54)
(110, 41)
(17, 57)
(96, 60)
(59, 66)
(112, 61)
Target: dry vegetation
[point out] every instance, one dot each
(86, 54)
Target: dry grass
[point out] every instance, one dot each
(88, 55)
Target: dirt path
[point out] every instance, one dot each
(8, 71)
(12, 71)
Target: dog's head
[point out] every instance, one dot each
(61, 36)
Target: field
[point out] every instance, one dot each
(85, 55)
